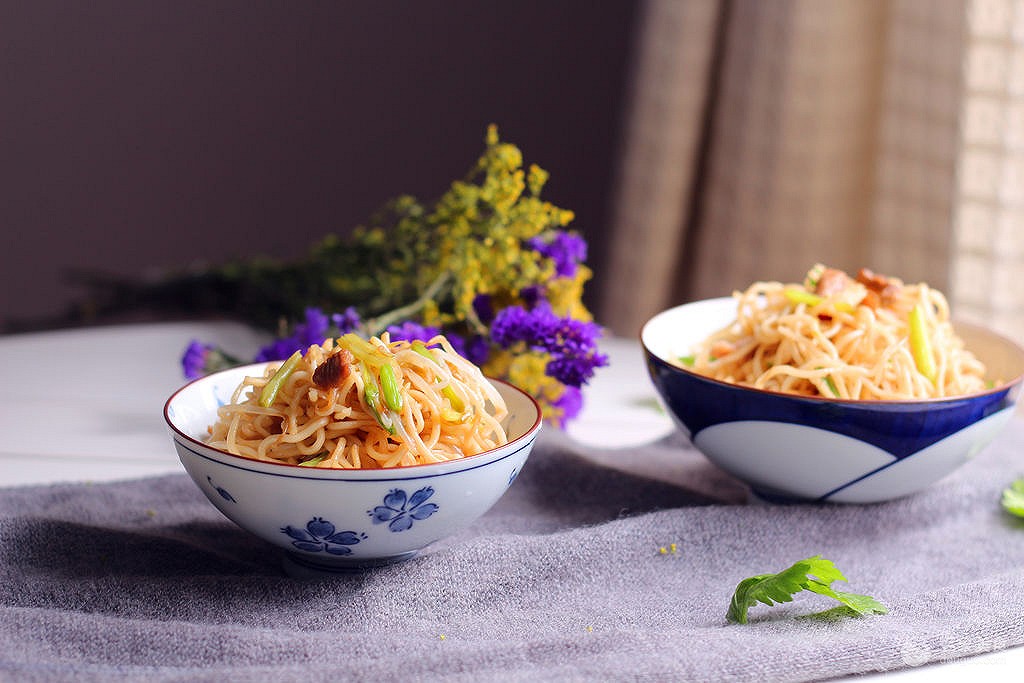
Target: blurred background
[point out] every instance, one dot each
(702, 144)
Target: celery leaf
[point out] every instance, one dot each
(814, 574)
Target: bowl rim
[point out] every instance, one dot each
(418, 469)
(1003, 386)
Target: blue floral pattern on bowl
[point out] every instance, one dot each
(222, 491)
(321, 536)
(399, 510)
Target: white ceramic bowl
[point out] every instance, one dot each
(819, 449)
(339, 520)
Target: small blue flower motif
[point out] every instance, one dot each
(399, 511)
(223, 492)
(512, 476)
(321, 536)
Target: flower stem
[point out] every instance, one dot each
(377, 325)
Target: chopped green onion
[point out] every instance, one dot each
(458, 404)
(688, 361)
(275, 383)
(921, 345)
(799, 296)
(454, 416)
(363, 350)
(829, 383)
(371, 392)
(313, 462)
(389, 385)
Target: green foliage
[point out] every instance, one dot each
(470, 242)
(815, 574)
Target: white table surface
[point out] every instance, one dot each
(86, 405)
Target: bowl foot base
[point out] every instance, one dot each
(303, 567)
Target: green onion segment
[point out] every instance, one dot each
(275, 383)
(921, 344)
(458, 405)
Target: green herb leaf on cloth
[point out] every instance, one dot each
(815, 574)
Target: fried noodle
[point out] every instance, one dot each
(441, 408)
(839, 337)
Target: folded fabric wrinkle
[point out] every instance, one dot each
(583, 570)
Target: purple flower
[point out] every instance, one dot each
(411, 331)
(575, 371)
(516, 324)
(346, 321)
(571, 343)
(531, 295)
(570, 403)
(314, 329)
(574, 337)
(201, 359)
(478, 350)
(566, 249)
(194, 360)
(279, 349)
(457, 342)
(484, 308)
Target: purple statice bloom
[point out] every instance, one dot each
(570, 403)
(457, 342)
(193, 362)
(484, 308)
(478, 350)
(572, 344)
(575, 371)
(566, 249)
(346, 321)
(313, 330)
(474, 349)
(411, 331)
(279, 349)
(573, 337)
(201, 359)
(516, 324)
(531, 295)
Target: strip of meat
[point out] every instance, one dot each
(832, 281)
(332, 372)
(886, 288)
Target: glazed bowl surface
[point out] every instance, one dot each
(339, 520)
(790, 447)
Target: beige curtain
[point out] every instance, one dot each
(767, 135)
(988, 270)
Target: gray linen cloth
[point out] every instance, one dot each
(564, 580)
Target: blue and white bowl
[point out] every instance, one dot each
(818, 449)
(339, 520)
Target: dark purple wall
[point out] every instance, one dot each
(136, 136)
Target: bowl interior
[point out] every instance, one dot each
(674, 332)
(193, 408)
